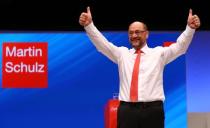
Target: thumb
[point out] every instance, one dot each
(88, 10)
(190, 13)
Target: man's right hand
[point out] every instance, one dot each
(85, 18)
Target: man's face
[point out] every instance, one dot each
(137, 35)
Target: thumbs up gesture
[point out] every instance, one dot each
(193, 20)
(85, 18)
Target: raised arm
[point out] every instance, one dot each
(101, 43)
(184, 40)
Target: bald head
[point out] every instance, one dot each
(138, 24)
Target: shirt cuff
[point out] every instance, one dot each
(91, 25)
(189, 31)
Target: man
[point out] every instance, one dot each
(141, 92)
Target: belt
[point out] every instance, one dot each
(142, 104)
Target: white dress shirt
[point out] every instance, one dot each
(152, 62)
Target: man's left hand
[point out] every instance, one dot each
(193, 20)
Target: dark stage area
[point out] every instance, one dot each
(62, 15)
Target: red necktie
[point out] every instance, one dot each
(134, 81)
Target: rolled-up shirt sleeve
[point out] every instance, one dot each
(102, 44)
(180, 47)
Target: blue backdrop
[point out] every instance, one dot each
(80, 82)
(198, 73)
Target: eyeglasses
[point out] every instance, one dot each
(137, 32)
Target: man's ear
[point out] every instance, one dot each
(147, 36)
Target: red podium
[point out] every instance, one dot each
(110, 113)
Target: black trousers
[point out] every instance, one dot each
(140, 115)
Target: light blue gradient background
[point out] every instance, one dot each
(81, 81)
(198, 73)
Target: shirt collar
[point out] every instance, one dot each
(144, 49)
